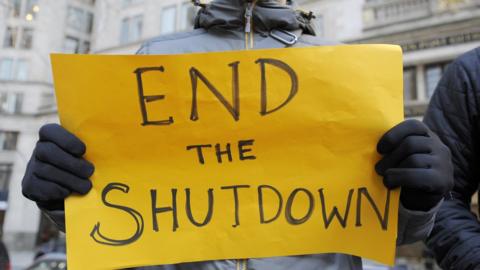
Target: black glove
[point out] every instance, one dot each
(56, 168)
(416, 160)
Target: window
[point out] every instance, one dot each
(88, 2)
(80, 20)
(168, 20)
(10, 39)
(8, 140)
(31, 9)
(6, 68)
(433, 74)
(5, 172)
(71, 45)
(85, 48)
(75, 18)
(409, 84)
(127, 3)
(24, 8)
(136, 28)
(75, 45)
(27, 38)
(187, 15)
(131, 29)
(16, 7)
(13, 70)
(21, 70)
(11, 103)
(124, 38)
(89, 22)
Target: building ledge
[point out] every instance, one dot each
(27, 82)
(29, 115)
(417, 24)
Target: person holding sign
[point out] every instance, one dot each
(414, 159)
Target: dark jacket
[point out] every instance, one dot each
(454, 115)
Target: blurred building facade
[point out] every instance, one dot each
(431, 32)
(29, 31)
(336, 20)
(123, 25)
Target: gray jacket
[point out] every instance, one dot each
(237, 25)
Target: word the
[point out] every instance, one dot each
(219, 153)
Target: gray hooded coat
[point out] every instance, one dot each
(226, 25)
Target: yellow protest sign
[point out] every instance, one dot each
(231, 155)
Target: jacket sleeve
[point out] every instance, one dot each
(415, 226)
(453, 115)
(57, 217)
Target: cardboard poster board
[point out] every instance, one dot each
(231, 155)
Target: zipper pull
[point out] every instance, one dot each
(248, 17)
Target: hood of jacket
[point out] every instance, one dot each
(266, 16)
